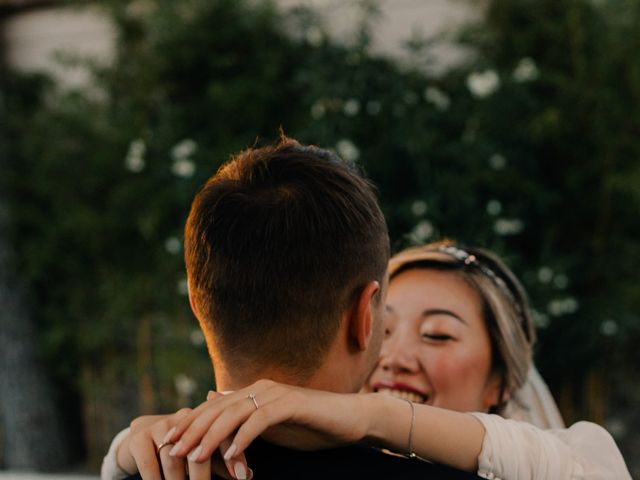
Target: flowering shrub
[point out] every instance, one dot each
(530, 148)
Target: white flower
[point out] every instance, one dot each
(134, 161)
(351, 107)
(483, 84)
(437, 98)
(419, 208)
(609, 327)
(422, 231)
(541, 320)
(173, 245)
(184, 149)
(617, 427)
(183, 168)
(494, 207)
(545, 274)
(196, 337)
(526, 70)
(497, 161)
(555, 307)
(508, 226)
(564, 306)
(570, 305)
(182, 287)
(373, 107)
(318, 110)
(347, 150)
(185, 385)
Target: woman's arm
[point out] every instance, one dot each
(309, 420)
(439, 435)
(488, 444)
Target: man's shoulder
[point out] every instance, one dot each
(272, 462)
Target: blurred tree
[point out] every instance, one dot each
(529, 148)
(29, 416)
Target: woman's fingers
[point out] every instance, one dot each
(202, 416)
(191, 429)
(225, 424)
(196, 427)
(149, 433)
(143, 451)
(256, 424)
(173, 468)
(236, 466)
(199, 471)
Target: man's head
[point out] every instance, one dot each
(280, 246)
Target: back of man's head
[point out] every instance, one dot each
(277, 245)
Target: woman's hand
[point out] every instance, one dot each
(289, 416)
(138, 453)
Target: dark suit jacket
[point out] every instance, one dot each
(272, 462)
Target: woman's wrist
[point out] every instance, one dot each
(388, 423)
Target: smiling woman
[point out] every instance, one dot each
(437, 349)
(459, 335)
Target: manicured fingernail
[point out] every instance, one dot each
(176, 448)
(169, 434)
(250, 474)
(210, 394)
(240, 471)
(195, 453)
(230, 451)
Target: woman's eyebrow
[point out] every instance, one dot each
(441, 311)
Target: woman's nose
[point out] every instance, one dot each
(398, 354)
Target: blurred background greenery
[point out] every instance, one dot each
(528, 145)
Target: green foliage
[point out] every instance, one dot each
(529, 148)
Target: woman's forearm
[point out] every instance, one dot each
(442, 436)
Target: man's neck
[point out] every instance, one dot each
(331, 376)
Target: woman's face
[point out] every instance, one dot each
(436, 349)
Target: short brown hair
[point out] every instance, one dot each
(277, 244)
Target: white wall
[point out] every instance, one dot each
(35, 37)
(399, 21)
(33, 40)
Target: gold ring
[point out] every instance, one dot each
(252, 397)
(162, 444)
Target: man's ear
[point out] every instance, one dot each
(192, 301)
(361, 321)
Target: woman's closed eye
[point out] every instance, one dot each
(435, 337)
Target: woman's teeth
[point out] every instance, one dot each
(403, 394)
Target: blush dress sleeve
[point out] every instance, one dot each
(514, 450)
(110, 469)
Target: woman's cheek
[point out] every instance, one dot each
(455, 371)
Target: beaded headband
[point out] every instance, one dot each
(471, 260)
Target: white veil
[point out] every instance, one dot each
(534, 404)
